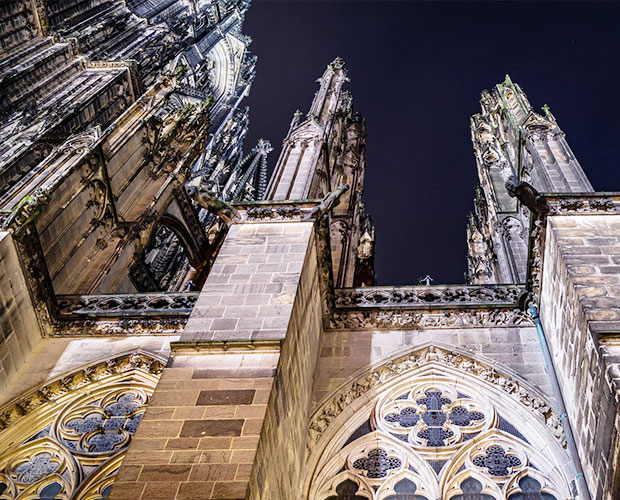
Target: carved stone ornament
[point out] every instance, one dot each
(584, 205)
(344, 397)
(415, 319)
(276, 212)
(128, 304)
(428, 296)
(127, 326)
(54, 389)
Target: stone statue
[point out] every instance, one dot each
(427, 280)
(527, 195)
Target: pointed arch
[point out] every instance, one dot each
(67, 437)
(436, 402)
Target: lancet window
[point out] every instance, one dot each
(438, 436)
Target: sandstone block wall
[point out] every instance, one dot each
(281, 455)
(54, 356)
(19, 327)
(342, 354)
(250, 290)
(199, 435)
(580, 306)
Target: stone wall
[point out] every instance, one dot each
(281, 455)
(198, 437)
(580, 305)
(19, 327)
(251, 287)
(343, 353)
(54, 356)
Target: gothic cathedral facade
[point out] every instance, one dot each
(176, 325)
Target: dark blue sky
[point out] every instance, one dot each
(416, 73)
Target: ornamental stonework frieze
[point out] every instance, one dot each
(415, 319)
(441, 296)
(274, 212)
(55, 389)
(127, 304)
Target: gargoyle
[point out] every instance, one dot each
(527, 195)
(330, 201)
(207, 199)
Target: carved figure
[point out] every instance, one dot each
(208, 200)
(527, 195)
(330, 201)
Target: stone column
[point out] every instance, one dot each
(200, 434)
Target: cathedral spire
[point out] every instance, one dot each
(512, 141)
(299, 161)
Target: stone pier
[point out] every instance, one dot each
(225, 403)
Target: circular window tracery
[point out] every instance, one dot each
(429, 437)
(72, 448)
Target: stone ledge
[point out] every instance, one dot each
(229, 346)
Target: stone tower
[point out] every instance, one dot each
(280, 372)
(511, 139)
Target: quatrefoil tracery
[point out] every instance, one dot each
(433, 417)
(103, 426)
(443, 437)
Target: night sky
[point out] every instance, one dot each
(416, 73)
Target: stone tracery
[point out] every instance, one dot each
(72, 448)
(432, 435)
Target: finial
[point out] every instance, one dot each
(337, 63)
(426, 280)
(264, 147)
(547, 110)
(507, 80)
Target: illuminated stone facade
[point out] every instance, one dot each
(176, 327)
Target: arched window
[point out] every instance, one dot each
(443, 426)
(71, 443)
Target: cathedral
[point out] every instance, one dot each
(177, 325)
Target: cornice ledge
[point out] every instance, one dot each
(275, 211)
(438, 318)
(225, 346)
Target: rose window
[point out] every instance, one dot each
(430, 439)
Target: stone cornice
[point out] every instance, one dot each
(227, 346)
(126, 305)
(275, 211)
(403, 319)
(423, 297)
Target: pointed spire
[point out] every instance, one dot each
(263, 148)
(337, 63)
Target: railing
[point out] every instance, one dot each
(127, 305)
(423, 297)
